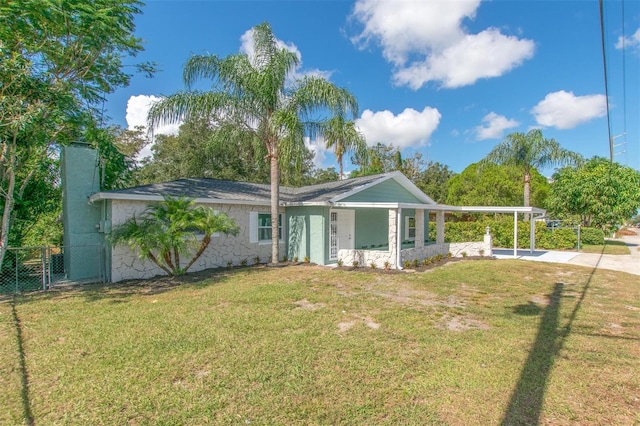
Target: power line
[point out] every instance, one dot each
(606, 81)
(624, 80)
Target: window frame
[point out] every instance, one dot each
(255, 227)
(408, 228)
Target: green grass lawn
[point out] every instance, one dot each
(474, 342)
(610, 247)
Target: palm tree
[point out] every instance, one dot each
(343, 136)
(529, 151)
(169, 228)
(251, 94)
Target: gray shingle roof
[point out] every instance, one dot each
(246, 191)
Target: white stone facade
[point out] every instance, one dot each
(222, 250)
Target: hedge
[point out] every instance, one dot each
(502, 233)
(593, 236)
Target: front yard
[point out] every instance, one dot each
(471, 342)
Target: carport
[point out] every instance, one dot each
(533, 212)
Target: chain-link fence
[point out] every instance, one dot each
(39, 268)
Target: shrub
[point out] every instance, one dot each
(340, 262)
(373, 265)
(415, 263)
(407, 264)
(387, 265)
(481, 252)
(243, 262)
(306, 259)
(256, 260)
(564, 238)
(593, 236)
(464, 254)
(285, 258)
(229, 264)
(295, 259)
(355, 263)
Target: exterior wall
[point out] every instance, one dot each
(482, 248)
(371, 228)
(388, 191)
(81, 220)
(308, 233)
(126, 264)
(365, 258)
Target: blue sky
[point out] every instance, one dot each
(448, 79)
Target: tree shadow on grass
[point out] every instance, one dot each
(525, 405)
(27, 414)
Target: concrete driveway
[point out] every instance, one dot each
(629, 263)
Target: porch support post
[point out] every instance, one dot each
(515, 234)
(393, 240)
(399, 239)
(419, 241)
(440, 227)
(532, 233)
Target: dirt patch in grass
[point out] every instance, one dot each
(461, 323)
(305, 304)
(366, 320)
(412, 297)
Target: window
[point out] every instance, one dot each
(261, 227)
(410, 228)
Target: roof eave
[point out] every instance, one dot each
(138, 197)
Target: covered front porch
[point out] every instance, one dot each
(400, 233)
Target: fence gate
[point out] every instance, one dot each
(40, 268)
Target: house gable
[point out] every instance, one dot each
(387, 191)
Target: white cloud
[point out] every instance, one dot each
(427, 41)
(409, 128)
(564, 110)
(632, 42)
(494, 126)
(246, 46)
(137, 110)
(317, 146)
(484, 55)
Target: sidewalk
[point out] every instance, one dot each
(629, 263)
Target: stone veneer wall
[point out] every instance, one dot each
(366, 257)
(126, 264)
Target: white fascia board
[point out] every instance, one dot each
(355, 204)
(305, 204)
(382, 205)
(134, 197)
(487, 209)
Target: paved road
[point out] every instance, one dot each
(629, 263)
